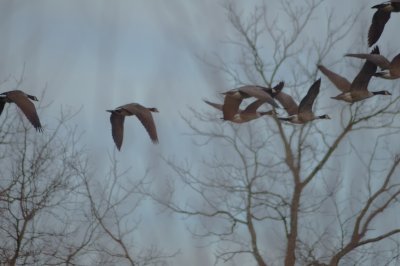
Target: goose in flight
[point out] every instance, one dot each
(380, 18)
(22, 100)
(117, 118)
(358, 89)
(301, 114)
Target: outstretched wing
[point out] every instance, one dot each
(288, 103)
(26, 106)
(308, 101)
(145, 117)
(231, 106)
(377, 59)
(252, 108)
(117, 125)
(259, 93)
(340, 82)
(378, 23)
(2, 104)
(215, 105)
(361, 81)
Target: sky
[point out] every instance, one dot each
(99, 54)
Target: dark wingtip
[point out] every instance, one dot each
(370, 42)
(375, 50)
(317, 83)
(279, 86)
(382, 5)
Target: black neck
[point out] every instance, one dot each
(379, 92)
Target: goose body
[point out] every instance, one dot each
(23, 101)
(301, 114)
(117, 119)
(392, 68)
(380, 18)
(358, 89)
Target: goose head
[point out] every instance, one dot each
(323, 117)
(152, 109)
(33, 98)
(383, 92)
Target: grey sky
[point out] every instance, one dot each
(99, 54)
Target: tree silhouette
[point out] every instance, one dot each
(275, 193)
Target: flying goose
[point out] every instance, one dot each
(358, 89)
(301, 114)
(21, 99)
(248, 114)
(234, 98)
(392, 68)
(117, 118)
(380, 18)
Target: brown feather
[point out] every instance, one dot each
(117, 127)
(340, 82)
(378, 23)
(26, 106)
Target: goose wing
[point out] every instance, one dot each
(364, 76)
(215, 105)
(377, 59)
(230, 107)
(278, 87)
(252, 108)
(145, 117)
(2, 104)
(26, 106)
(259, 93)
(395, 64)
(340, 82)
(307, 102)
(117, 127)
(377, 25)
(274, 90)
(288, 103)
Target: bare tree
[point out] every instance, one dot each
(55, 210)
(37, 186)
(114, 205)
(278, 194)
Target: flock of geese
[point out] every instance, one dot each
(351, 92)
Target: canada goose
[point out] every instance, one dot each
(380, 18)
(117, 118)
(300, 114)
(248, 114)
(21, 99)
(358, 89)
(234, 98)
(392, 68)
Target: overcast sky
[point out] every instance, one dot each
(99, 54)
